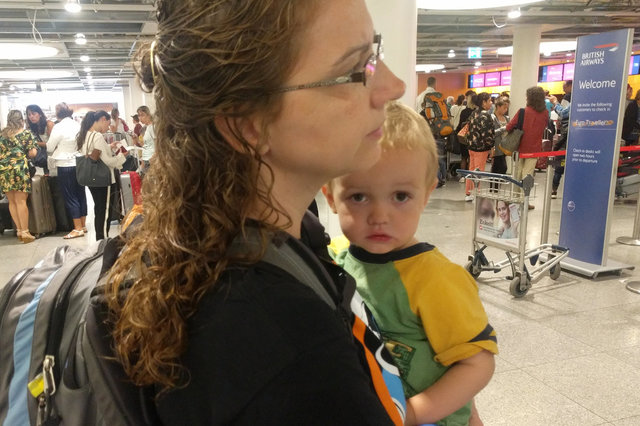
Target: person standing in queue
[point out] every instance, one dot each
(258, 104)
(90, 138)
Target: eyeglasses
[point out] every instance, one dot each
(363, 76)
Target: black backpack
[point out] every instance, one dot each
(61, 369)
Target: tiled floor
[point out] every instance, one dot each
(569, 349)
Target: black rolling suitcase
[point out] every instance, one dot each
(42, 219)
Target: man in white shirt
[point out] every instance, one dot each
(431, 87)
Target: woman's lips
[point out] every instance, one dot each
(377, 133)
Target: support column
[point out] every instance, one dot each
(398, 24)
(4, 110)
(524, 64)
(134, 97)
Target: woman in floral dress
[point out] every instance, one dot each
(16, 146)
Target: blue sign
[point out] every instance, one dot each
(475, 52)
(599, 85)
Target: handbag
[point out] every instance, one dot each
(90, 172)
(511, 141)
(462, 134)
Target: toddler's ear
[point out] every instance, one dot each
(329, 196)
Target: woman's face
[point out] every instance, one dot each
(144, 117)
(486, 104)
(326, 132)
(503, 211)
(33, 116)
(502, 109)
(102, 125)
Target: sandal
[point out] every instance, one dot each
(85, 230)
(26, 237)
(74, 234)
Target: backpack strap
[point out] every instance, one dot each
(295, 258)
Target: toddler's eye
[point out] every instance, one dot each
(401, 197)
(358, 198)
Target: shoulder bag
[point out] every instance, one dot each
(90, 169)
(511, 141)
(462, 134)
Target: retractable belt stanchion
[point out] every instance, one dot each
(633, 240)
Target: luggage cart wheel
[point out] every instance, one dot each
(473, 268)
(554, 271)
(519, 286)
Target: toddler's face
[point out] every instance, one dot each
(379, 209)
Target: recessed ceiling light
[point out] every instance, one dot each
(84, 58)
(35, 75)
(444, 71)
(470, 4)
(452, 54)
(478, 63)
(73, 6)
(87, 69)
(514, 14)
(80, 39)
(12, 51)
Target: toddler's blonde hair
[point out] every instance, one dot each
(405, 129)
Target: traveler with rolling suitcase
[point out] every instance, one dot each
(64, 148)
(16, 146)
(89, 140)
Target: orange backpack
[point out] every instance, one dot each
(435, 111)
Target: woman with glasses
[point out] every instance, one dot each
(258, 103)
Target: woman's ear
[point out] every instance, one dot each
(234, 129)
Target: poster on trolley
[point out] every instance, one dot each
(597, 101)
(498, 221)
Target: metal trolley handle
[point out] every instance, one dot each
(526, 184)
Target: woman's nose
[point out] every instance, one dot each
(386, 86)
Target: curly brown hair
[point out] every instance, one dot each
(535, 98)
(212, 59)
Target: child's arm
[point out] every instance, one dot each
(454, 389)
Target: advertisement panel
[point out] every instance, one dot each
(498, 220)
(505, 78)
(568, 71)
(599, 88)
(492, 79)
(554, 73)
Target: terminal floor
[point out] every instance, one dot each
(569, 350)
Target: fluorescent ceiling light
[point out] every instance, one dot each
(35, 75)
(546, 46)
(12, 51)
(470, 4)
(428, 67)
(54, 86)
(73, 6)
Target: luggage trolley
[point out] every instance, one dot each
(501, 207)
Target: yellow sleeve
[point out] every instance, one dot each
(445, 298)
